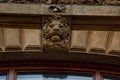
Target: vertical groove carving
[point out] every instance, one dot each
(89, 38)
(22, 39)
(1, 40)
(109, 41)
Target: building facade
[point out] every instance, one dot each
(59, 39)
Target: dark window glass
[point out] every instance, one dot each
(111, 77)
(52, 76)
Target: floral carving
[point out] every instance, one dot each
(79, 2)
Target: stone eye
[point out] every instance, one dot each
(51, 26)
(61, 26)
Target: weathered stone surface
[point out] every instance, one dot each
(79, 39)
(86, 41)
(1, 40)
(98, 41)
(12, 39)
(115, 44)
(70, 9)
(79, 2)
(32, 39)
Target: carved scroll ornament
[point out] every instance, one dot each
(56, 33)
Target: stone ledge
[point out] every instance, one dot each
(42, 9)
(39, 56)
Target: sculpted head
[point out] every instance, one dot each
(56, 33)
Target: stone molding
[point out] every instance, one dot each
(76, 10)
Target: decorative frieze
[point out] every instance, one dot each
(57, 36)
(54, 33)
(79, 2)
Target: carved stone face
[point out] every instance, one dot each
(56, 34)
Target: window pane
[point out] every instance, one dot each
(30, 77)
(111, 78)
(79, 78)
(51, 76)
(2, 77)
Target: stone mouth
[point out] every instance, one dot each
(55, 38)
(56, 35)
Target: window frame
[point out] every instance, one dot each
(98, 71)
(5, 72)
(71, 72)
(109, 75)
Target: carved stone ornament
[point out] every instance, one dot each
(56, 33)
(79, 2)
(57, 8)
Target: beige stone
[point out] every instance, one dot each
(115, 44)
(98, 41)
(12, 38)
(70, 9)
(1, 39)
(32, 39)
(107, 42)
(79, 39)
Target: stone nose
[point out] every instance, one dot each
(56, 29)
